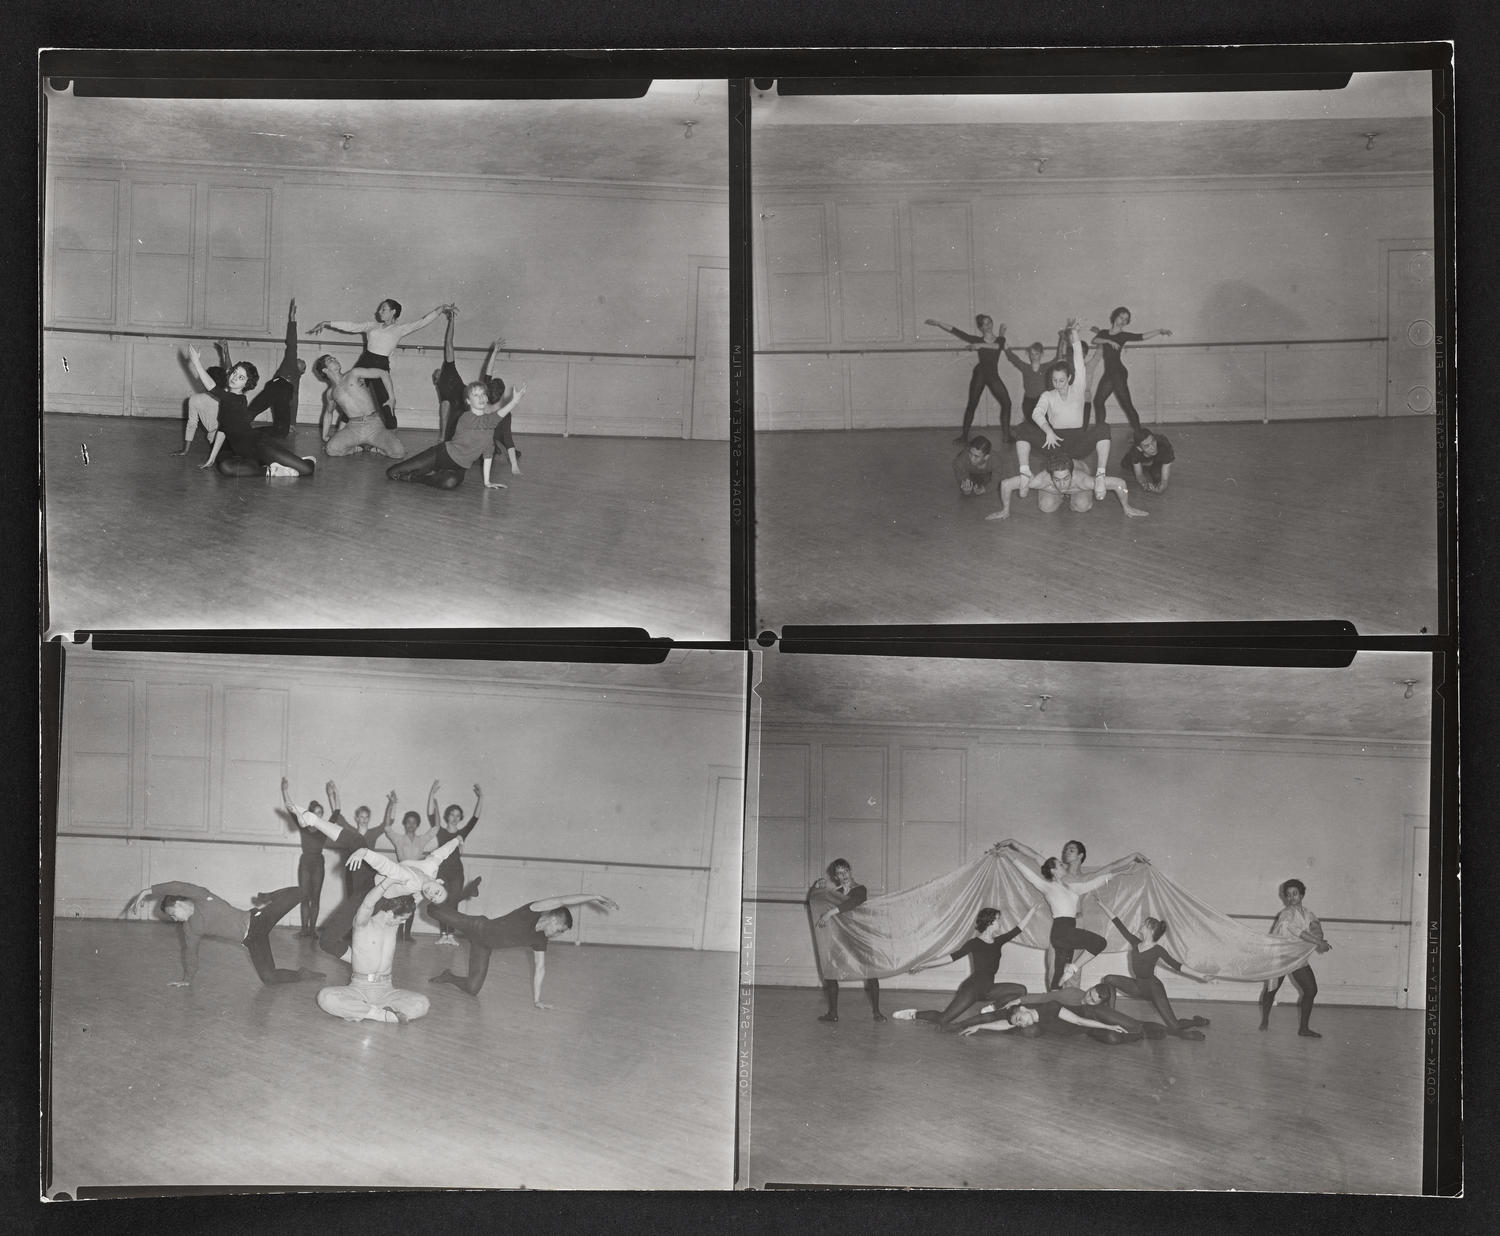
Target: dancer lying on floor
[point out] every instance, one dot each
(983, 950)
(370, 995)
(198, 913)
(1053, 1012)
(531, 925)
(1142, 983)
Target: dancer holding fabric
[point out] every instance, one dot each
(837, 893)
(983, 950)
(1296, 921)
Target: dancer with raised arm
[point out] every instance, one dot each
(250, 453)
(451, 873)
(443, 466)
(528, 926)
(1296, 921)
(382, 337)
(361, 836)
(202, 407)
(1116, 379)
(983, 950)
(199, 913)
(1058, 418)
(1142, 983)
(987, 345)
(836, 892)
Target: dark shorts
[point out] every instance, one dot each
(1078, 442)
(368, 360)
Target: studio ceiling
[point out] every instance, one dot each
(1363, 702)
(676, 135)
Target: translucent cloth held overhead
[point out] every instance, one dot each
(889, 935)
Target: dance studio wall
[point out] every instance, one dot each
(1227, 819)
(1276, 290)
(171, 770)
(594, 287)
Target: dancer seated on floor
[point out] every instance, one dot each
(370, 995)
(1151, 457)
(987, 345)
(1063, 477)
(443, 466)
(974, 467)
(452, 399)
(250, 453)
(1142, 983)
(531, 925)
(279, 395)
(198, 913)
(203, 408)
(1055, 1012)
(1058, 418)
(983, 950)
(1116, 379)
(350, 395)
(1063, 896)
(835, 892)
(451, 873)
(382, 337)
(1297, 922)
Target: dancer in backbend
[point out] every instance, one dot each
(1058, 418)
(382, 337)
(350, 394)
(1116, 379)
(837, 893)
(443, 466)
(531, 925)
(203, 408)
(250, 453)
(451, 873)
(1034, 377)
(1151, 456)
(199, 913)
(279, 396)
(1142, 983)
(983, 950)
(988, 344)
(1063, 477)
(1063, 896)
(1054, 1012)
(370, 995)
(361, 836)
(1296, 922)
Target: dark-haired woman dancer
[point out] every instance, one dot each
(1116, 379)
(983, 951)
(988, 343)
(1297, 922)
(250, 453)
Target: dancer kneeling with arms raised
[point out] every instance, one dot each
(370, 995)
(443, 466)
(983, 950)
(1142, 983)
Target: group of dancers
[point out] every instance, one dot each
(474, 418)
(1065, 1006)
(1055, 415)
(381, 898)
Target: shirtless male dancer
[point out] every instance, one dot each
(1064, 477)
(364, 429)
(370, 994)
(382, 337)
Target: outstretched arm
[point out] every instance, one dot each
(510, 400)
(344, 328)
(1020, 847)
(411, 328)
(432, 804)
(538, 975)
(1088, 1023)
(1033, 878)
(955, 332)
(1006, 489)
(378, 862)
(603, 904)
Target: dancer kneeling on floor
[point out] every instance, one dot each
(443, 466)
(983, 950)
(351, 395)
(1063, 477)
(250, 453)
(1142, 983)
(370, 995)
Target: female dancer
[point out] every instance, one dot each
(357, 880)
(988, 343)
(983, 950)
(250, 453)
(1142, 983)
(382, 337)
(451, 873)
(1116, 379)
(443, 466)
(203, 408)
(310, 871)
(1054, 1012)
(831, 894)
(450, 391)
(1298, 922)
(1063, 896)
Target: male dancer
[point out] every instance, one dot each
(370, 995)
(382, 337)
(279, 395)
(1064, 477)
(199, 913)
(364, 430)
(531, 925)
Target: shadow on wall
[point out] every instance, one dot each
(1236, 310)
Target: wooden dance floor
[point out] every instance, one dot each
(902, 1103)
(1299, 520)
(628, 1083)
(596, 532)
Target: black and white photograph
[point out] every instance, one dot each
(1104, 356)
(1087, 926)
(328, 922)
(387, 363)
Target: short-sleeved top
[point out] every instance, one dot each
(1294, 920)
(517, 929)
(473, 436)
(1114, 363)
(1164, 455)
(984, 955)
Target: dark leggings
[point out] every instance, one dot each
(979, 380)
(1149, 990)
(273, 908)
(432, 467)
(970, 992)
(387, 412)
(831, 990)
(265, 450)
(1067, 936)
(310, 882)
(473, 927)
(1119, 387)
(1307, 991)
